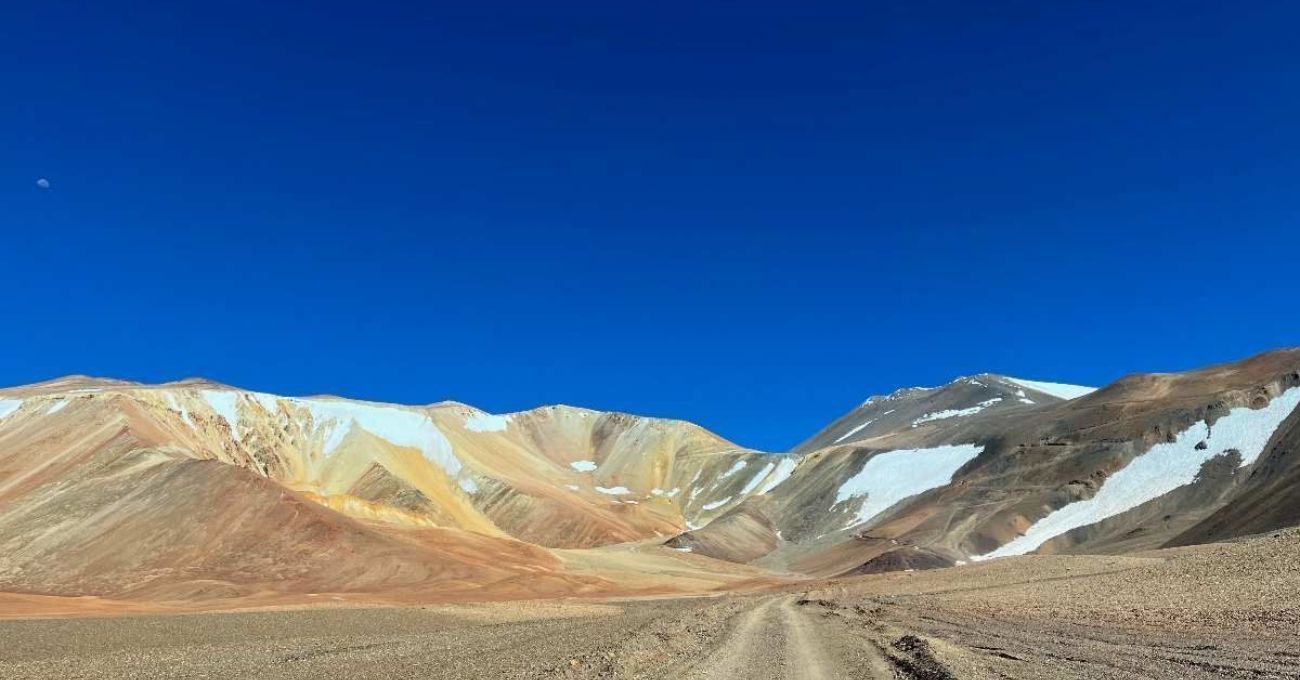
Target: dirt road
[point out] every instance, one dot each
(780, 638)
(765, 637)
(832, 633)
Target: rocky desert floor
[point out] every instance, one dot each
(1221, 610)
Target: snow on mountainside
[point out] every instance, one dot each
(882, 476)
(470, 469)
(1243, 432)
(1057, 390)
(267, 487)
(917, 406)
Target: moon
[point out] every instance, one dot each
(43, 183)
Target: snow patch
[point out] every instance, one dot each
(852, 432)
(736, 467)
(572, 487)
(758, 479)
(8, 406)
(892, 476)
(269, 402)
(223, 404)
(396, 425)
(691, 484)
(783, 471)
(583, 465)
(486, 422)
(613, 491)
(686, 549)
(1066, 392)
(717, 504)
(56, 407)
(1163, 468)
(175, 406)
(468, 485)
(665, 494)
(956, 413)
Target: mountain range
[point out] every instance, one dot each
(198, 492)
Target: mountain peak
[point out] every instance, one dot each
(909, 408)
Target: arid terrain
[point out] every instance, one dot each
(991, 527)
(1224, 610)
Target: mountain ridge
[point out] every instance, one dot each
(447, 500)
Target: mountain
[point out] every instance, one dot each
(197, 491)
(120, 489)
(971, 470)
(914, 407)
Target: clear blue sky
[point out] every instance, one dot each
(749, 215)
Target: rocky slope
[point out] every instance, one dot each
(197, 490)
(1149, 461)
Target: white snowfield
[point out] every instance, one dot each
(583, 465)
(757, 479)
(956, 413)
(852, 432)
(8, 406)
(892, 476)
(223, 404)
(397, 425)
(486, 422)
(56, 407)
(336, 419)
(1066, 392)
(735, 467)
(1163, 468)
(784, 469)
(614, 491)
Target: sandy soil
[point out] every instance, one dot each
(1226, 610)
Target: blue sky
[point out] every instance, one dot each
(749, 215)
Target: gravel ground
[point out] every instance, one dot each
(1228, 610)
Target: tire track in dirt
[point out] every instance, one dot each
(747, 651)
(781, 638)
(803, 651)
